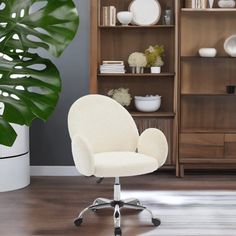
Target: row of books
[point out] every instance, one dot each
(108, 16)
(200, 4)
(112, 67)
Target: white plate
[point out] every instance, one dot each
(145, 12)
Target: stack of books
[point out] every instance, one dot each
(112, 67)
(199, 4)
(108, 16)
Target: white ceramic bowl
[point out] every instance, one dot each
(125, 17)
(230, 46)
(207, 52)
(148, 103)
(226, 3)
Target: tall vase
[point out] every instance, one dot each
(211, 3)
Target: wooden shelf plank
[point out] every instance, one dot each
(208, 94)
(207, 161)
(152, 114)
(135, 27)
(188, 58)
(208, 130)
(167, 74)
(209, 10)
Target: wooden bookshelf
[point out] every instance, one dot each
(117, 43)
(207, 111)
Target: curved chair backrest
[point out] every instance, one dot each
(104, 123)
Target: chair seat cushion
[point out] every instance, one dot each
(118, 164)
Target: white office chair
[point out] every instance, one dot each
(106, 143)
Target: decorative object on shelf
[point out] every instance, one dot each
(168, 17)
(230, 45)
(112, 67)
(154, 58)
(145, 12)
(125, 17)
(207, 52)
(226, 3)
(211, 3)
(188, 4)
(121, 95)
(230, 89)
(199, 4)
(147, 103)
(108, 16)
(137, 61)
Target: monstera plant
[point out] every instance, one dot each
(29, 84)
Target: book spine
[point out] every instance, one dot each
(204, 4)
(193, 4)
(108, 16)
(105, 16)
(114, 16)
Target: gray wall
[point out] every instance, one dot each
(50, 143)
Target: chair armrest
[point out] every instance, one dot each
(83, 156)
(152, 142)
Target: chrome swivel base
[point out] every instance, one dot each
(116, 204)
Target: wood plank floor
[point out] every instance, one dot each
(193, 206)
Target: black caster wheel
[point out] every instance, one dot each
(78, 222)
(156, 221)
(118, 231)
(94, 210)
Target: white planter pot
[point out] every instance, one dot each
(14, 162)
(155, 69)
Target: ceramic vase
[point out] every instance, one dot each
(211, 3)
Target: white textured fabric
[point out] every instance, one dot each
(105, 138)
(118, 164)
(104, 123)
(152, 142)
(83, 156)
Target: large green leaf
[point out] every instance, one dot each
(8, 134)
(30, 85)
(51, 27)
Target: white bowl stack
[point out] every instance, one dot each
(147, 103)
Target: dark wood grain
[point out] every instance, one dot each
(47, 207)
(202, 145)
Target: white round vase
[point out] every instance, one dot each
(14, 162)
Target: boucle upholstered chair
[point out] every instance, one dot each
(106, 143)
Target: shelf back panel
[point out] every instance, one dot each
(123, 5)
(202, 29)
(140, 87)
(118, 45)
(202, 76)
(208, 112)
